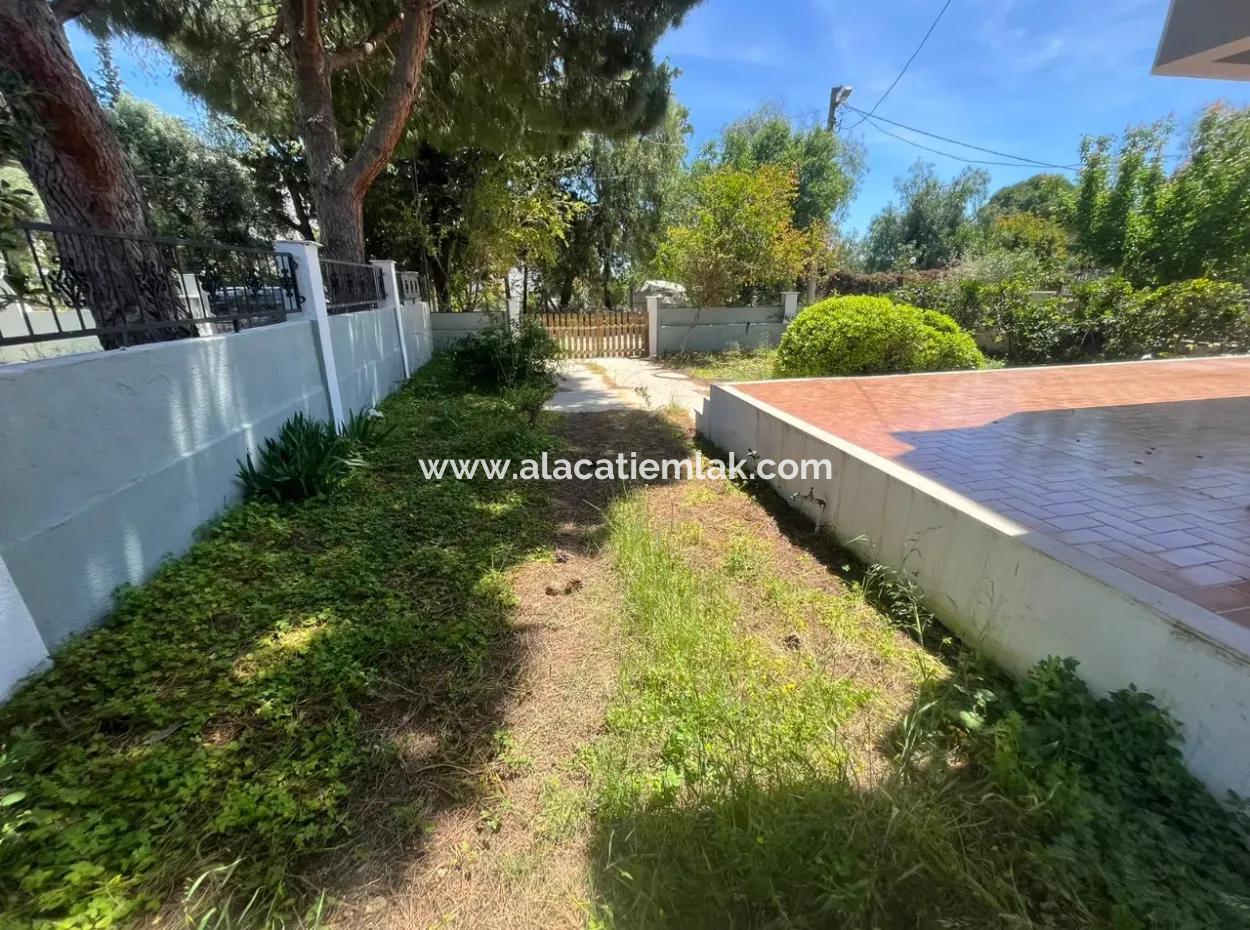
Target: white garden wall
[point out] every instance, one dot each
(450, 328)
(715, 329)
(113, 459)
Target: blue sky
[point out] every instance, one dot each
(1022, 76)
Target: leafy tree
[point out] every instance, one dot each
(470, 218)
(1118, 194)
(736, 235)
(347, 75)
(626, 188)
(826, 167)
(1048, 196)
(108, 82)
(1203, 210)
(193, 190)
(931, 226)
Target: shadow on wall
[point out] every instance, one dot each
(114, 459)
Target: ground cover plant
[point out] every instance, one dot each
(483, 704)
(731, 365)
(779, 756)
(239, 709)
(872, 335)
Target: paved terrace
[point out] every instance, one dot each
(1145, 465)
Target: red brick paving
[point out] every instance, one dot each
(1145, 465)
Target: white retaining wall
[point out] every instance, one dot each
(113, 459)
(715, 329)
(450, 328)
(1019, 597)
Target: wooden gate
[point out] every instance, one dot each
(600, 334)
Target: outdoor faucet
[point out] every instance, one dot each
(811, 496)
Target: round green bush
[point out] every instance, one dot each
(870, 336)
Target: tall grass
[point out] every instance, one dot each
(723, 797)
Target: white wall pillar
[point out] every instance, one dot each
(23, 651)
(789, 305)
(391, 301)
(653, 326)
(514, 313)
(312, 291)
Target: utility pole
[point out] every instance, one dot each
(837, 96)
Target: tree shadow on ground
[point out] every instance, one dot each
(288, 707)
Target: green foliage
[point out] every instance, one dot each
(1044, 196)
(725, 791)
(609, 80)
(242, 704)
(627, 189)
(477, 216)
(826, 167)
(501, 358)
(1153, 227)
(735, 234)
(194, 190)
(931, 227)
(1144, 842)
(1171, 318)
(529, 397)
(872, 335)
(365, 431)
(307, 459)
(732, 364)
(1102, 318)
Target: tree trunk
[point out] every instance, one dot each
(338, 186)
(84, 179)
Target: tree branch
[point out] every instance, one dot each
(351, 54)
(65, 10)
(397, 101)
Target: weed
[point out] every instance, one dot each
(228, 714)
(722, 795)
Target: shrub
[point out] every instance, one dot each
(872, 335)
(1179, 316)
(365, 431)
(305, 460)
(1105, 780)
(309, 458)
(498, 357)
(528, 399)
(845, 283)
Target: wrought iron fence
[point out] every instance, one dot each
(409, 286)
(351, 286)
(59, 282)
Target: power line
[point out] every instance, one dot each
(965, 145)
(970, 161)
(932, 26)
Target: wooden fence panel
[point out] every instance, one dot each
(599, 334)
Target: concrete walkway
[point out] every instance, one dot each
(617, 383)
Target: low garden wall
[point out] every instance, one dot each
(450, 328)
(1015, 596)
(113, 459)
(715, 329)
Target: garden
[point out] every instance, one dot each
(385, 698)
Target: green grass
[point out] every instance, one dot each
(723, 795)
(227, 717)
(730, 365)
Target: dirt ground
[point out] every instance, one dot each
(521, 856)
